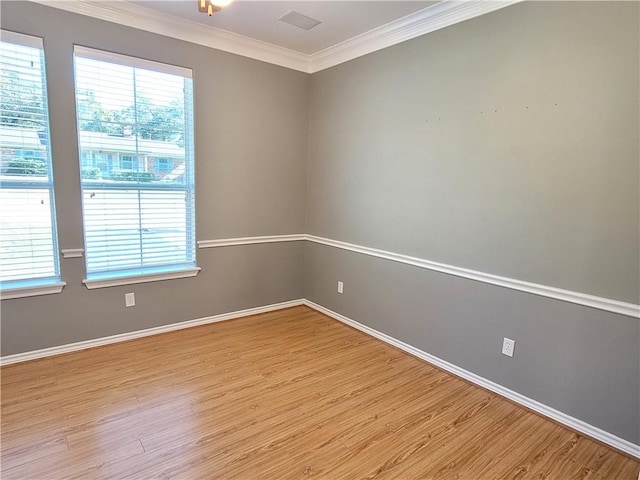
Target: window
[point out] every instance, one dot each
(28, 154)
(86, 160)
(126, 162)
(29, 263)
(137, 227)
(164, 165)
(103, 162)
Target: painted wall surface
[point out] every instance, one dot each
(507, 144)
(250, 148)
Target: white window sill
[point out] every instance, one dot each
(92, 283)
(31, 290)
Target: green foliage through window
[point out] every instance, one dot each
(133, 176)
(90, 172)
(28, 167)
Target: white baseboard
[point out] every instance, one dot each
(123, 337)
(560, 417)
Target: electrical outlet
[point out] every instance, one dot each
(508, 346)
(340, 287)
(129, 299)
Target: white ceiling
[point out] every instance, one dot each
(341, 20)
(251, 28)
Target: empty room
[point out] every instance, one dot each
(320, 239)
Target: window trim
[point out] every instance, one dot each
(155, 273)
(136, 276)
(22, 39)
(130, 61)
(22, 289)
(29, 287)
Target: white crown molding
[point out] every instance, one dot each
(601, 303)
(435, 17)
(430, 19)
(556, 415)
(123, 337)
(142, 18)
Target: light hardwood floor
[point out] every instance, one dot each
(288, 394)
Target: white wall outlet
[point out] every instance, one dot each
(508, 346)
(129, 299)
(340, 287)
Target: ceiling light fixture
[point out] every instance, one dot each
(211, 6)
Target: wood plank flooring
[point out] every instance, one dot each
(288, 394)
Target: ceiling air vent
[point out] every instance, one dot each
(299, 20)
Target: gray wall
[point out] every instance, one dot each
(251, 147)
(506, 144)
(451, 147)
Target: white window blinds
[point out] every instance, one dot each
(28, 243)
(135, 128)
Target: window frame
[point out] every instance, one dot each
(50, 284)
(143, 274)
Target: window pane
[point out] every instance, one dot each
(133, 229)
(136, 137)
(25, 234)
(28, 245)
